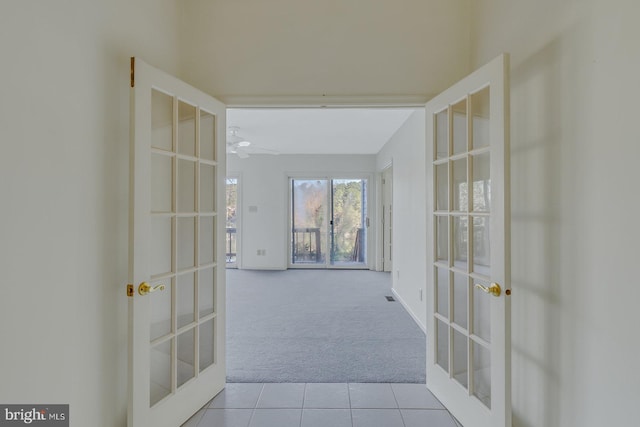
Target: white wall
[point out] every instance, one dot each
(406, 150)
(64, 97)
(263, 184)
(575, 151)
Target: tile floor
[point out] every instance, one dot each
(323, 405)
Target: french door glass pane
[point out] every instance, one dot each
(460, 354)
(460, 239)
(160, 324)
(207, 136)
(160, 375)
(481, 117)
(161, 179)
(206, 288)
(161, 121)
(481, 373)
(442, 134)
(186, 129)
(460, 291)
(160, 245)
(207, 188)
(186, 185)
(442, 280)
(186, 241)
(186, 356)
(460, 191)
(207, 344)
(442, 184)
(185, 299)
(460, 127)
(481, 245)
(481, 197)
(206, 240)
(442, 238)
(482, 312)
(442, 344)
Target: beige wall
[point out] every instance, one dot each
(575, 147)
(332, 47)
(64, 98)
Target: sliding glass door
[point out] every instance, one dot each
(329, 222)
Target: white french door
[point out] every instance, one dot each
(468, 316)
(176, 254)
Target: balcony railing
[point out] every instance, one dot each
(307, 246)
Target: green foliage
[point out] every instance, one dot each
(347, 217)
(232, 202)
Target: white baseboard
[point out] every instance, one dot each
(411, 313)
(257, 267)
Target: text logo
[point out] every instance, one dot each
(34, 415)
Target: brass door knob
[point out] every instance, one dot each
(146, 288)
(494, 289)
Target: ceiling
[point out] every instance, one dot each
(318, 130)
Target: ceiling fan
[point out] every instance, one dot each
(239, 146)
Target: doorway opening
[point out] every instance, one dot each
(302, 300)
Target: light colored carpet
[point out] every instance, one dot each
(319, 326)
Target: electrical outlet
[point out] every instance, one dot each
(420, 293)
(398, 274)
(261, 252)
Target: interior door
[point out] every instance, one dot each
(176, 254)
(468, 316)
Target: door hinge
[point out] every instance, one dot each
(133, 71)
(130, 291)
